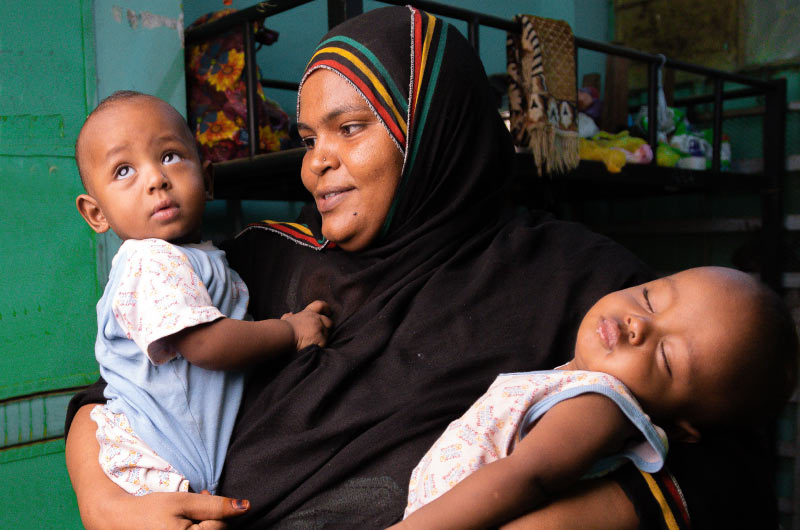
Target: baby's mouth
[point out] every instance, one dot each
(608, 331)
(165, 210)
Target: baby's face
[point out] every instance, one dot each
(675, 342)
(142, 168)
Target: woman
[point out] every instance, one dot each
(436, 286)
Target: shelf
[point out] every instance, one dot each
(270, 176)
(591, 179)
(276, 176)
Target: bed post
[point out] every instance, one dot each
(341, 10)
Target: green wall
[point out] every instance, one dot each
(58, 59)
(49, 281)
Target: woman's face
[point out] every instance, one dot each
(351, 165)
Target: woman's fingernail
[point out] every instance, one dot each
(240, 504)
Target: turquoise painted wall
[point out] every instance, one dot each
(139, 47)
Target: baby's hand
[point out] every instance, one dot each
(311, 325)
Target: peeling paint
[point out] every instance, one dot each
(133, 20)
(149, 20)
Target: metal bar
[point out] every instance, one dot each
(473, 33)
(717, 127)
(459, 13)
(709, 98)
(250, 83)
(341, 10)
(774, 146)
(275, 83)
(652, 107)
(228, 22)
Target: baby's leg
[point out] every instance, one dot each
(128, 461)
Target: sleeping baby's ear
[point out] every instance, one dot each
(683, 431)
(91, 212)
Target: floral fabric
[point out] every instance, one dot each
(217, 98)
(128, 461)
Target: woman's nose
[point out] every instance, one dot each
(322, 159)
(638, 328)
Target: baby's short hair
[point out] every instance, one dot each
(116, 97)
(766, 381)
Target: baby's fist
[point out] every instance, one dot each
(311, 325)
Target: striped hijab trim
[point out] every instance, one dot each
(373, 61)
(296, 232)
(360, 66)
(670, 499)
(424, 74)
(424, 83)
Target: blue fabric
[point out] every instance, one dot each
(183, 412)
(627, 404)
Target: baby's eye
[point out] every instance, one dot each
(646, 296)
(124, 172)
(170, 158)
(665, 358)
(308, 142)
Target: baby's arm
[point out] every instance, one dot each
(228, 344)
(556, 453)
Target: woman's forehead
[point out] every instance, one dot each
(326, 94)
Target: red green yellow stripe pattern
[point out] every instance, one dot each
(667, 495)
(297, 232)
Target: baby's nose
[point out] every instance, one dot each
(638, 327)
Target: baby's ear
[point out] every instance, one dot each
(91, 212)
(208, 179)
(683, 431)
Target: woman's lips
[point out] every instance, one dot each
(608, 331)
(331, 198)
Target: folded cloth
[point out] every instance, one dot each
(542, 93)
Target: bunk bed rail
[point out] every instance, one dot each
(245, 178)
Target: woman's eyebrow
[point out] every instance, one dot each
(335, 113)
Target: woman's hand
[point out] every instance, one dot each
(105, 505)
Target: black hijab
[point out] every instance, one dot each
(457, 289)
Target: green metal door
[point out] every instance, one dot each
(48, 283)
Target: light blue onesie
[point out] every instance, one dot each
(183, 412)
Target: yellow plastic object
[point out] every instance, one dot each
(667, 156)
(613, 158)
(622, 140)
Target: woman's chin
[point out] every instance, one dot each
(345, 239)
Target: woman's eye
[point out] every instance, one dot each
(351, 128)
(123, 172)
(646, 295)
(308, 142)
(170, 158)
